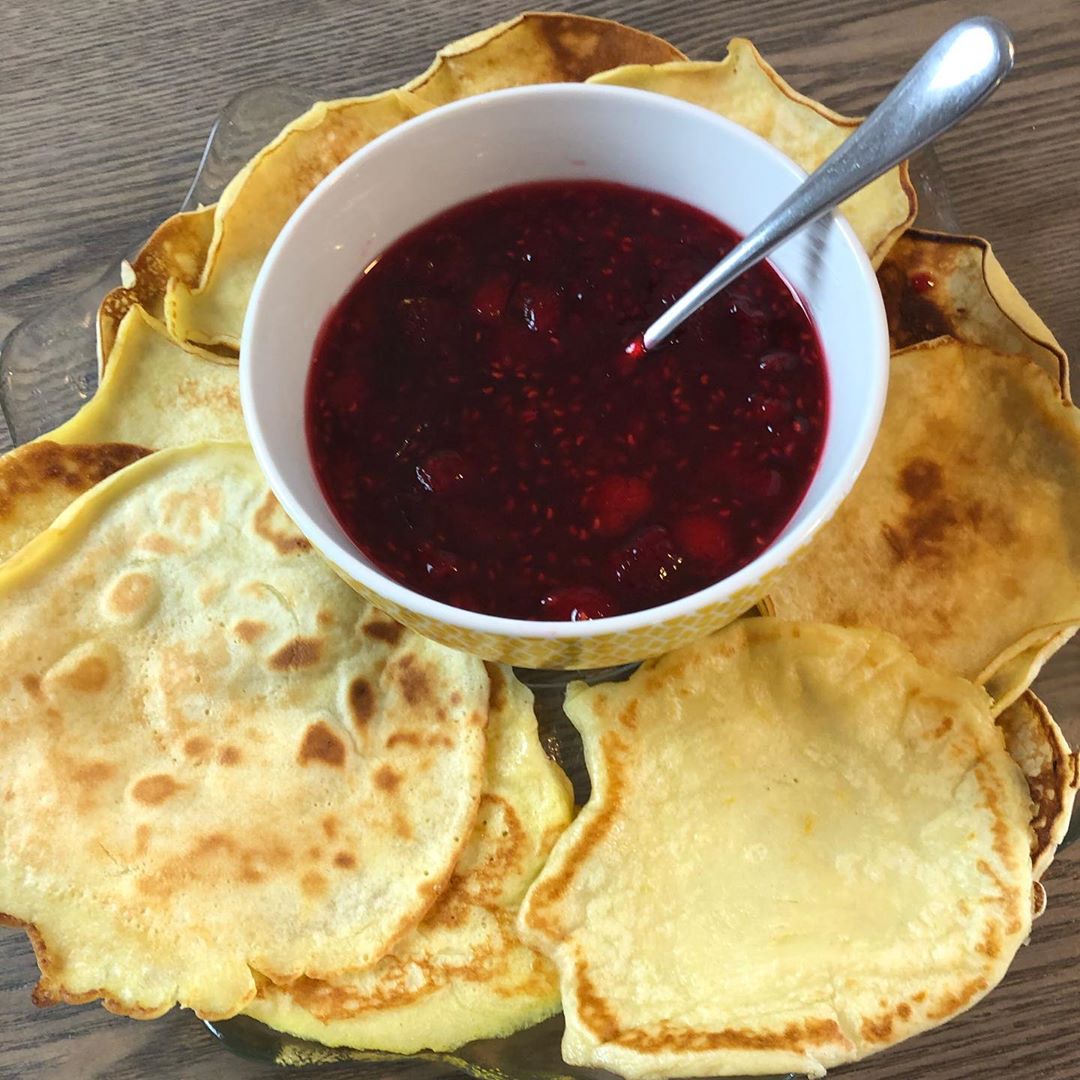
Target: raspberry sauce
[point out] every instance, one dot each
(486, 432)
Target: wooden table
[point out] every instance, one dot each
(105, 107)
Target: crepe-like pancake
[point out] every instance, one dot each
(1037, 745)
(537, 47)
(935, 284)
(1011, 672)
(962, 535)
(801, 847)
(462, 974)
(155, 394)
(177, 249)
(218, 760)
(259, 200)
(745, 89)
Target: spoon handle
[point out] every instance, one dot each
(955, 75)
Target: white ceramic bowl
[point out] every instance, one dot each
(466, 149)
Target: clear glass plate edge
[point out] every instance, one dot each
(48, 370)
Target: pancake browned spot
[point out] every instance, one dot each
(229, 755)
(131, 593)
(250, 630)
(912, 312)
(198, 746)
(921, 478)
(154, 790)
(89, 676)
(299, 653)
(386, 630)
(419, 738)
(159, 544)
(39, 479)
(935, 284)
(413, 680)
(92, 773)
(271, 524)
(952, 1003)
(506, 842)
(581, 48)
(990, 946)
(877, 1028)
(323, 745)
(497, 697)
(142, 839)
(943, 728)
(387, 779)
(345, 860)
(361, 701)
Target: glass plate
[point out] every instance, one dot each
(48, 369)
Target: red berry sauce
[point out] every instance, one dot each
(485, 434)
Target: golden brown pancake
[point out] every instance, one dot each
(261, 198)
(801, 847)
(219, 760)
(533, 48)
(936, 284)
(177, 249)
(537, 47)
(462, 974)
(1038, 746)
(155, 394)
(962, 535)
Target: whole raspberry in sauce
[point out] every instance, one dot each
(483, 431)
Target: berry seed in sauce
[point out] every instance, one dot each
(484, 433)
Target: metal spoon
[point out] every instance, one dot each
(955, 75)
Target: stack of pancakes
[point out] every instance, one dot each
(229, 783)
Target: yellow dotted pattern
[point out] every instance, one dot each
(563, 652)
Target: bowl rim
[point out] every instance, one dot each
(773, 557)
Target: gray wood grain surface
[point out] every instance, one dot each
(104, 107)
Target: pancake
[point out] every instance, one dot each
(219, 760)
(177, 249)
(155, 393)
(1008, 674)
(935, 284)
(801, 847)
(259, 200)
(1037, 745)
(962, 535)
(745, 89)
(535, 48)
(462, 974)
